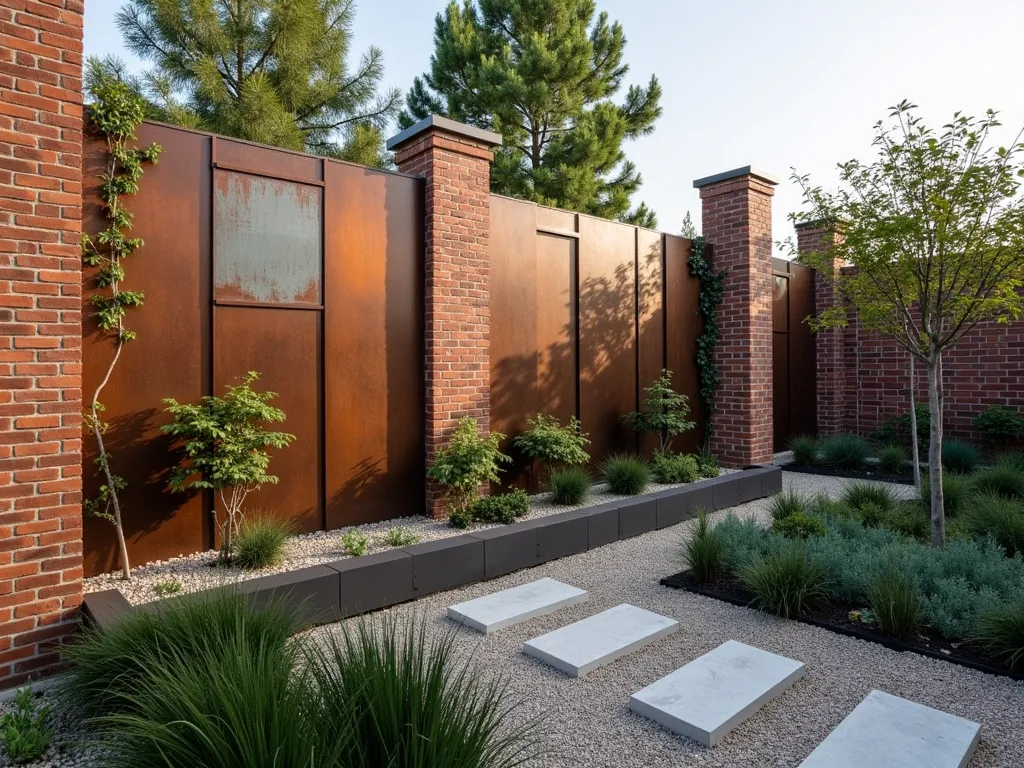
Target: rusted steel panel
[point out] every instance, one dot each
(781, 395)
(267, 242)
(780, 304)
(169, 357)
(683, 326)
(283, 346)
(556, 335)
(650, 317)
(373, 358)
(554, 218)
(607, 332)
(803, 412)
(267, 160)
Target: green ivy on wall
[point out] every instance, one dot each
(712, 289)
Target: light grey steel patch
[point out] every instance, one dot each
(266, 239)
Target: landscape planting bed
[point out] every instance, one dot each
(865, 473)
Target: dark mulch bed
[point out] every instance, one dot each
(835, 617)
(867, 473)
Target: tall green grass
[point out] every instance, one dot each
(702, 553)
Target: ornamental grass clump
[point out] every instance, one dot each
(703, 552)
(960, 457)
(627, 474)
(261, 541)
(844, 451)
(786, 583)
(1003, 479)
(787, 503)
(569, 486)
(892, 458)
(1000, 631)
(856, 495)
(805, 450)
(400, 537)
(896, 604)
(956, 492)
(799, 525)
(998, 517)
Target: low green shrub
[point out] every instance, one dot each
(468, 461)
(355, 543)
(502, 509)
(1002, 519)
(960, 457)
(627, 474)
(460, 518)
(805, 450)
(1002, 479)
(1000, 424)
(897, 429)
(261, 541)
(1000, 631)
(856, 495)
(786, 583)
(24, 733)
(896, 604)
(892, 458)
(167, 587)
(547, 441)
(708, 465)
(787, 503)
(668, 467)
(1013, 460)
(844, 451)
(569, 486)
(956, 491)
(702, 553)
(798, 525)
(400, 537)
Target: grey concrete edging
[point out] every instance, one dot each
(356, 585)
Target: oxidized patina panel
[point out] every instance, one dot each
(267, 241)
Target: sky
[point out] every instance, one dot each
(778, 85)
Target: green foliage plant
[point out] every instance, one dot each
(460, 518)
(467, 462)
(896, 604)
(892, 458)
(709, 297)
(569, 486)
(799, 525)
(933, 244)
(400, 537)
(544, 75)
(167, 587)
(354, 543)
(999, 424)
(960, 457)
(1000, 631)
(844, 451)
(553, 445)
(114, 115)
(786, 582)
(856, 495)
(261, 540)
(898, 429)
(668, 467)
(956, 491)
(665, 412)
(626, 474)
(1003, 519)
(24, 732)
(1003, 479)
(225, 449)
(805, 450)
(1013, 460)
(707, 464)
(503, 508)
(787, 503)
(702, 553)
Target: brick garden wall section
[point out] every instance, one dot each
(40, 333)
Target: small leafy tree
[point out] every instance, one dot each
(467, 462)
(224, 445)
(115, 113)
(689, 229)
(934, 229)
(555, 446)
(664, 412)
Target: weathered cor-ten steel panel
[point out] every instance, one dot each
(373, 354)
(167, 359)
(650, 317)
(683, 326)
(793, 355)
(266, 239)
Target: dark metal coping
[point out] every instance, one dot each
(448, 126)
(356, 585)
(746, 170)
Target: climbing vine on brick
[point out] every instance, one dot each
(712, 289)
(115, 114)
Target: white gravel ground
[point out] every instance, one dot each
(195, 572)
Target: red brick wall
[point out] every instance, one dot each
(737, 222)
(457, 173)
(40, 333)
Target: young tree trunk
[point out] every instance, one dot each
(915, 452)
(935, 448)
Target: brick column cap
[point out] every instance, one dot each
(434, 124)
(736, 174)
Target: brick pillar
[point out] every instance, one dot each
(737, 223)
(811, 237)
(454, 159)
(40, 333)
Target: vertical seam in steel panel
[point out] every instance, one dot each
(322, 344)
(209, 499)
(636, 328)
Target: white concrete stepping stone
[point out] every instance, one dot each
(496, 611)
(885, 731)
(713, 694)
(600, 639)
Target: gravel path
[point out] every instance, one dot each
(195, 572)
(587, 722)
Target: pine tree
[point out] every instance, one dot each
(271, 71)
(689, 229)
(542, 73)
